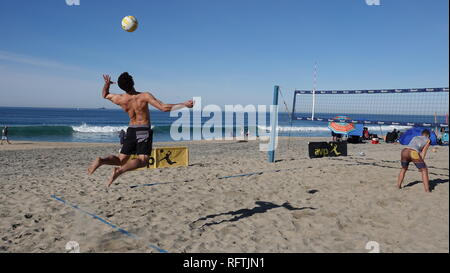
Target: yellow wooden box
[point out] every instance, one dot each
(165, 157)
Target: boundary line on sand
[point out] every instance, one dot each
(220, 178)
(121, 230)
(151, 184)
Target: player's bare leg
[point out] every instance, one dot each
(109, 160)
(131, 165)
(401, 177)
(425, 179)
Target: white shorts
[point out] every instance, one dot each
(4, 138)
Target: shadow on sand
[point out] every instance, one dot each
(261, 207)
(433, 183)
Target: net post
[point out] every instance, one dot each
(273, 124)
(293, 105)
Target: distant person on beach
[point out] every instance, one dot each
(139, 135)
(366, 134)
(392, 137)
(444, 138)
(416, 152)
(5, 135)
(336, 137)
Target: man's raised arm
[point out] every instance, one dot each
(105, 91)
(106, 86)
(167, 107)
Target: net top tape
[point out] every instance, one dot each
(375, 91)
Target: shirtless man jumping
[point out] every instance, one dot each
(139, 136)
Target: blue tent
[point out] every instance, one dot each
(358, 130)
(407, 136)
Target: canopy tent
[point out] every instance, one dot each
(407, 136)
(358, 131)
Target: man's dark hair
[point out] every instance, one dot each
(426, 132)
(125, 82)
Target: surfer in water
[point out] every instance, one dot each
(139, 135)
(416, 152)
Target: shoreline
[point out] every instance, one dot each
(23, 144)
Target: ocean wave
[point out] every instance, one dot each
(84, 128)
(44, 130)
(62, 130)
(387, 127)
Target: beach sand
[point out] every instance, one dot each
(308, 205)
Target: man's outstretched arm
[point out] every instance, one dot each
(167, 107)
(105, 91)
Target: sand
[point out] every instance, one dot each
(308, 205)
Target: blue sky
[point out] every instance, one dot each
(226, 51)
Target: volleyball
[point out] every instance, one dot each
(129, 23)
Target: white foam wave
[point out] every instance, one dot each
(387, 127)
(84, 128)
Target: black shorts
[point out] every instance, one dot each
(138, 141)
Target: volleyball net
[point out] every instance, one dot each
(426, 107)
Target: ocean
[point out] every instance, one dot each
(104, 125)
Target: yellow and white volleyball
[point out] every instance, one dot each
(129, 23)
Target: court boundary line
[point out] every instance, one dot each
(117, 228)
(219, 178)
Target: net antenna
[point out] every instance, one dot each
(314, 91)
